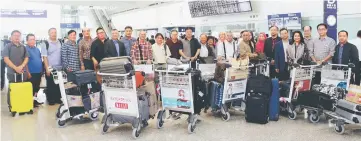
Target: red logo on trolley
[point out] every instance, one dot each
(121, 105)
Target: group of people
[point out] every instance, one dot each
(87, 53)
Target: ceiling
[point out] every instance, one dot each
(111, 6)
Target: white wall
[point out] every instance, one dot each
(177, 14)
(37, 26)
(87, 16)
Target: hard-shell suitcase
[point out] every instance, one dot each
(118, 65)
(215, 94)
(349, 110)
(20, 97)
(274, 105)
(149, 88)
(82, 77)
(257, 108)
(196, 88)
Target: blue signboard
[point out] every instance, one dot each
(330, 17)
(69, 25)
(14, 13)
(289, 21)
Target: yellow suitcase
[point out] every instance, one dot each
(21, 98)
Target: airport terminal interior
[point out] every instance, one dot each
(178, 106)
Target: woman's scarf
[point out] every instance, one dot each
(260, 45)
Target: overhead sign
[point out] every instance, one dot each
(289, 21)
(330, 17)
(69, 25)
(17, 13)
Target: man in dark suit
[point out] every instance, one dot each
(346, 53)
(269, 47)
(114, 47)
(281, 67)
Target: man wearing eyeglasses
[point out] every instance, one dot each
(97, 48)
(323, 49)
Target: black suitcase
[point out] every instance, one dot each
(257, 108)
(82, 77)
(259, 84)
(196, 88)
(316, 99)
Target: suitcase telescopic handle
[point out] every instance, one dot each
(22, 77)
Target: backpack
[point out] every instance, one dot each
(47, 44)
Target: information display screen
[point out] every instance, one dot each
(218, 7)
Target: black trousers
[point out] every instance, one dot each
(283, 75)
(52, 90)
(35, 81)
(2, 73)
(88, 64)
(358, 74)
(273, 73)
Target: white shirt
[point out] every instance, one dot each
(230, 49)
(285, 45)
(357, 43)
(204, 51)
(159, 53)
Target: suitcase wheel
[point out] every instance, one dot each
(13, 114)
(226, 116)
(94, 115)
(31, 112)
(136, 131)
(339, 129)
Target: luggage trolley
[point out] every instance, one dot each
(177, 95)
(331, 74)
(207, 73)
(233, 89)
(263, 67)
(120, 100)
(301, 77)
(64, 112)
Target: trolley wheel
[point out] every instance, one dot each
(340, 129)
(226, 116)
(191, 128)
(61, 123)
(160, 123)
(94, 116)
(292, 115)
(314, 118)
(136, 131)
(13, 114)
(105, 128)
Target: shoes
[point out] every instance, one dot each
(51, 103)
(36, 104)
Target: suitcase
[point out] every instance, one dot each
(349, 110)
(215, 97)
(274, 106)
(139, 78)
(118, 65)
(196, 88)
(82, 77)
(316, 99)
(143, 104)
(149, 88)
(20, 97)
(257, 108)
(259, 84)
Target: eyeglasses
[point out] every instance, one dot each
(321, 29)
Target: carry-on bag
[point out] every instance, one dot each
(259, 84)
(20, 96)
(143, 104)
(215, 94)
(316, 99)
(82, 77)
(274, 106)
(149, 88)
(349, 110)
(139, 78)
(257, 108)
(118, 65)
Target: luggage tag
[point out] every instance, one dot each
(200, 94)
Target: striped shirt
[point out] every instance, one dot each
(70, 56)
(322, 47)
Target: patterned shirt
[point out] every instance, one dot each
(70, 56)
(146, 48)
(84, 48)
(322, 47)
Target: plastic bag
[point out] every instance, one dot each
(40, 97)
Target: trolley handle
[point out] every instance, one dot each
(239, 67)
(115, 74)
(166, 71)
(350, 65)
(142, 62)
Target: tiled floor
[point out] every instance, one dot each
(42, 127)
